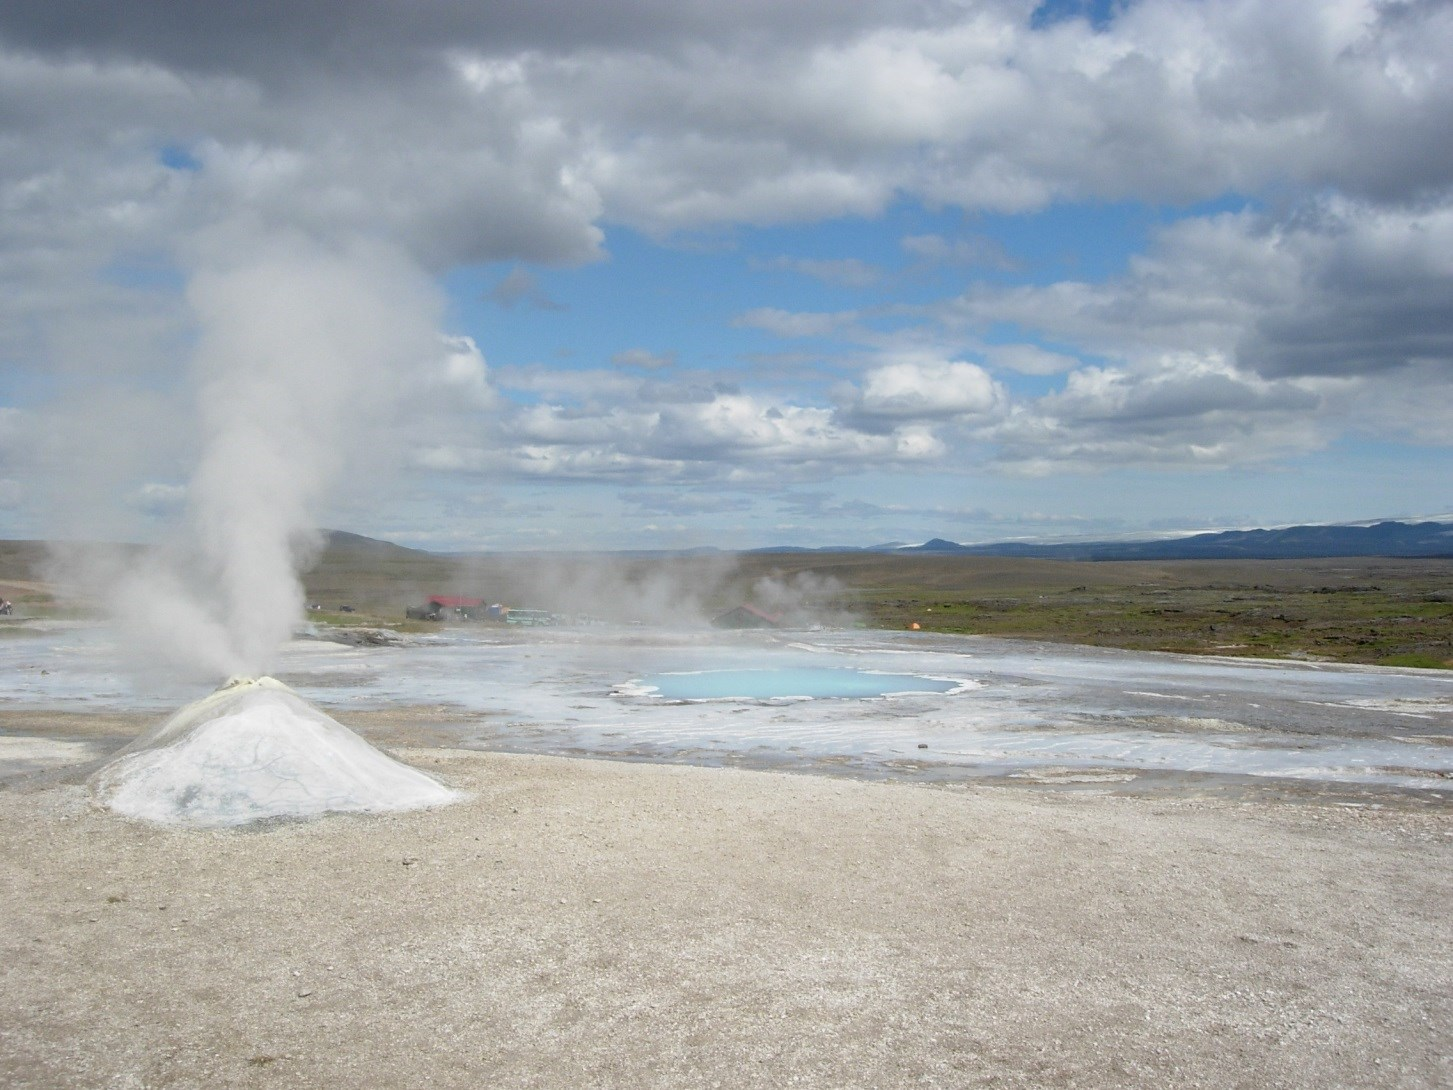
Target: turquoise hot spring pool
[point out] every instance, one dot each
(802, 683)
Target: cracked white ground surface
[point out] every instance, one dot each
(1025, 709)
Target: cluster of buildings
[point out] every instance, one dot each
(445, 607)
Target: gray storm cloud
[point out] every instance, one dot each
(674, 116)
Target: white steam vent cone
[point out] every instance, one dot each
(254, 750)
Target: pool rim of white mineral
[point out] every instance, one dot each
(639, 688)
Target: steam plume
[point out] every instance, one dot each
(299, 348)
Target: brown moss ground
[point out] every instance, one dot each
(1363, 610)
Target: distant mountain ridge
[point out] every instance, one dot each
(1388, 538)
(343, 541)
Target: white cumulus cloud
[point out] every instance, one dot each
(927, 390)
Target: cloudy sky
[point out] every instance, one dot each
(744, 272)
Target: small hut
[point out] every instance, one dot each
(447, 607)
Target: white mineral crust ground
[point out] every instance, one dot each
(1023, 709)
(604, 923)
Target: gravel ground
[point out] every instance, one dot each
(596, 924)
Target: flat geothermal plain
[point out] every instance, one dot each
(1194, 873)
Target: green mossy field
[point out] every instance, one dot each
(1392, 612)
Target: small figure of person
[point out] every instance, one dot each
(5, 607)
